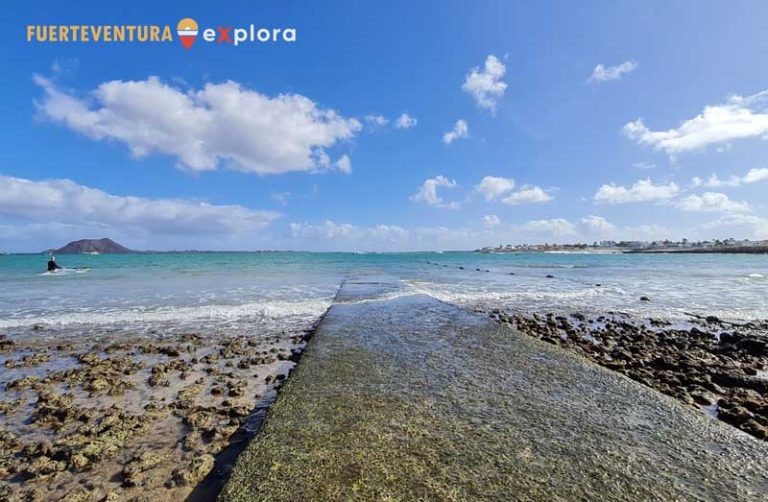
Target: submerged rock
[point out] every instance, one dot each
(192, 473)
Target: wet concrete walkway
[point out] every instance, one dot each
(407, 398)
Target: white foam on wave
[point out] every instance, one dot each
(601, 299)
(382, 298)
(265, 310)
(756, 276)
(451, 294)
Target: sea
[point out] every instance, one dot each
(150, 294)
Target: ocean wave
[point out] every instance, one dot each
(268, 310)
(449, 294)
(551, 265)
(381, 298)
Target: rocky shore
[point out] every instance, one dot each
(130, 419)
(718, 367)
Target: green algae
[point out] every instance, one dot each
(412, 399)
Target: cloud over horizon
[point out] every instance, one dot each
(65, 204)
(640, 191)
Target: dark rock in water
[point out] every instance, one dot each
(644, 299)
(511, 273)
(550, 276)
(598, 285)
(101, 246)
(712, 319)
(461, 268)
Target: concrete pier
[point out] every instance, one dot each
(402, 397)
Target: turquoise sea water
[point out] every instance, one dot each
(226, 291)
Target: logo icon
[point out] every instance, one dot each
(187, 31)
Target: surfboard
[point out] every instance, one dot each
(67, 271)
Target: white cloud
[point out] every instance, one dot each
(65, 203)
(220, 125)
(557, 227)
(485, 85)
(344, 164)
(428, 192)
(376, 120)
(494, 186)
(460, 130)
(711, 202)
(753, 176)
(603, 74)
(597, 225)
(738, 226)
(640, 191)
(491, 220)
(527, 195)
(738, 118)
(756, 175)
(280, 197)
(405, 121)
(328, 230)
(339, 236)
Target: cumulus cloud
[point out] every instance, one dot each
(428, 192)
(753, 176)
(527, 195)
(330, 235)
(711, 202)
(405, 121)
(557, 227)
(597, 225)
(492, 187)
(489, 230)
(460, 130)
(344, 164)
(737, 225)
(602, 73)
(65, 203)
(491, 220)
(641, 191)
(485, 85)
(738, 118)
(219, 125)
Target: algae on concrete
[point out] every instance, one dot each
(413, 399)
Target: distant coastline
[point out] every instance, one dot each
(727, 246)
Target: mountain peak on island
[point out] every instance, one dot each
(93, 246)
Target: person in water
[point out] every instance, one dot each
(52, 265)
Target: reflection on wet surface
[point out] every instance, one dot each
(410, 398)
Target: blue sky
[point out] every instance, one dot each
(106, 139)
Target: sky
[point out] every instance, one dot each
(386, 126)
